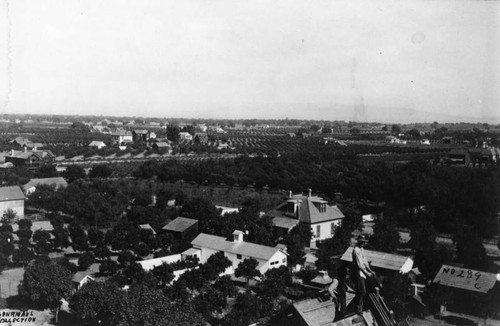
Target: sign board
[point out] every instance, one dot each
(465, 279)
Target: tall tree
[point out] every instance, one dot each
(45, 283)
(385, 236)
(247, 268)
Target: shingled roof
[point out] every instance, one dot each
(383, 260)
(465, 279)
(11, 193)
(308, 210)
(57, 181)
(243, 248)
(180, 224)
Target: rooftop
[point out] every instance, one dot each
(243, 248)
(11, 193)
(465, 279)
(180, 224)
(58, 182)
(383, 260)
(308, 210)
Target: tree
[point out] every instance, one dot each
(395, 129)
(215, 265)
(385, 236)
(23, 255)
(173, 133)
(45, 283)
(98, 302)
(470, 250)
(274, 282)
(108, 267)
(42, 241)
(85, 260)
(47, 171)
(9, 215)
(95, 236)
(164, 273)
(61, 237)
(247, 268)
(74, 172)
(6, 243)
(422, 234)
(100, 171)
(4, 261)
(6, 228)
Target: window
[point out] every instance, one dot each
(333, 228)
(318, 230)
(238, 256)
(284, 260)
(274, 262)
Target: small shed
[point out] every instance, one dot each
(80, 278)
(181, 227)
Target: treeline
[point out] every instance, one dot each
(452, 197)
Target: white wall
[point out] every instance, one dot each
(16, 205)
(325, 230)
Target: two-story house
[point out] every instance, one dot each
(322, 217)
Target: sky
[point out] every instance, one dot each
(388, 61)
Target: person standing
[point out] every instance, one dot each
(362, 271)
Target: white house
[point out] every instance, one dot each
(185, 136)
(97, 143)
(30, 187)
(238, 250)
(322, 217)
(80, 278)
(120, 137)
(12, 198)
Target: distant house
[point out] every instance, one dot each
(161, 146)
(314, 211)
(382, 261)
(460, 156)
(97, 143)
(238, 250)
(30, 187)
(146, 227)
(79, 279)
(201, 137)
(142, 134)
(181, 227)
(185, 136)
(149, 264)
(30, 158)
(12, 198)
(121, 137)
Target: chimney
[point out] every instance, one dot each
(310, 190)
(290, 194)
(237, 236)
(25, 149)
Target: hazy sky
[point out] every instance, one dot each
(365, 60)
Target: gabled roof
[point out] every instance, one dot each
(180, 224)
(146, 227)
(285, 222)
(383, 260)
(243, 248)
(141, 131)
(465, 279)
(315, 312)
(58, 182)
(162, 144)
(121, 133)
(11, 193)
(80, 276)
(366, 319)
(97, 143)
(308, 210)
